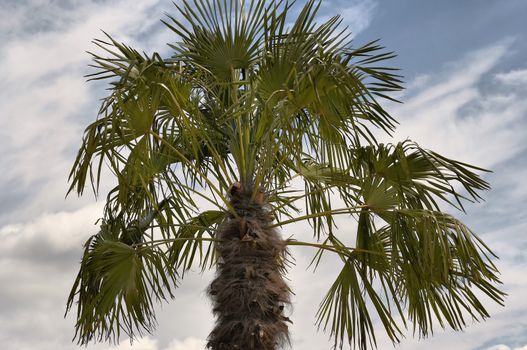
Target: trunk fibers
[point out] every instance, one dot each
(249, 292)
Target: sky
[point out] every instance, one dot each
(465, 67)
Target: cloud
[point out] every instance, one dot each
(187, 344)
(356, 15)
(44, 106)
(450, 113)
(42, 52)
(467, 112)
(505, 347)
(45, 101)
(513, 77)
(145, 343)
(38, 261)
(148, 343)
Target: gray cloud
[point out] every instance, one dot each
(45, 101)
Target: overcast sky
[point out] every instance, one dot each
(465, 64)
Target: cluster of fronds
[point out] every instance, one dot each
(118, 283)
(254, 96)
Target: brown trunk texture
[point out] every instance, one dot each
(249, 292)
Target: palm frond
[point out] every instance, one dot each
(423, 266)
(220, 36)
(117, 287)
(410, 260)
(183, 253)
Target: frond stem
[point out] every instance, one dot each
(331, 248)
(196, 169)
(348, 210)
(164, 241)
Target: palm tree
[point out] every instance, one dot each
(254, 114)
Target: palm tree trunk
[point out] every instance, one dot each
(249, 292)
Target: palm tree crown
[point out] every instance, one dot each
(251, 103)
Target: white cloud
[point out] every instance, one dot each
(499, 347)
(513, 77)
(187, 344)
(359, 15)
(355, 14)
(60, 231)
(147, 343)
(44, 105)
(505, 347)
(45, 101)
(448, 112)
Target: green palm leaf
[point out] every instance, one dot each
(117, 286)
